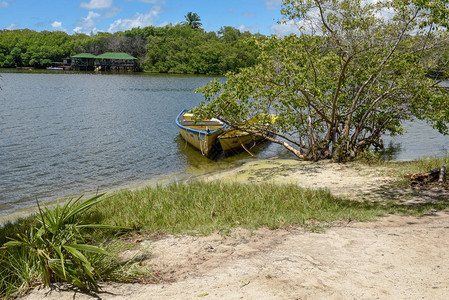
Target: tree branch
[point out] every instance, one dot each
(322, 17)
(384, 61)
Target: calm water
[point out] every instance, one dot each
(64, 134)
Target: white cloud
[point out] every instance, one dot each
(96, 4)
(12, 26)
(111, 13)
(138, 20)
(57, 26)
(311, 24)
(244, 28)
(273, 4)
(4, 3)
(87, 24)
(286, 28)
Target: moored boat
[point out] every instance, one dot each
(200, 134)
(235, 140)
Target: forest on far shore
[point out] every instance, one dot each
(171, 49)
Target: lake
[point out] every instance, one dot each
(65, 134)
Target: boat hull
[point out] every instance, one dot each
(236, 141)
(201, 135)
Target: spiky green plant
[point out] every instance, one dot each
(57, 246)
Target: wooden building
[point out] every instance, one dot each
(83, 62)
(115, 61)
(109, 61)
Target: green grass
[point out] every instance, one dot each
(399, 169)
(18, 273)
(200, 207)
(196, 208)
(423, 165)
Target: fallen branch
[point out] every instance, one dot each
(435, 175)
(424, 178)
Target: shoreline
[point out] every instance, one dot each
(342, 179)
(351, 180)
(397, 257)
(178, 177)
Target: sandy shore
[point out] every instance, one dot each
(393, 258)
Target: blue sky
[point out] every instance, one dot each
(86, 16)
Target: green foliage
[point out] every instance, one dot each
(54, 251)
(186, 48)
(193, 20)
(204, 207)
(24, 47)
(181, 49)
(348, 77)
(18, 272)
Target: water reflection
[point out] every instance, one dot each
(197, 164)
(391, 151)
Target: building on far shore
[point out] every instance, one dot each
(109, 61)
(115, 61)
(83, 62)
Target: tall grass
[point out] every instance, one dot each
(399, 170)
(203, 207)
(52, 246)
(425, 164)
(18, 272)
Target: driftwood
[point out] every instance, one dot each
(435, 175)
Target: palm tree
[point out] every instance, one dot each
(193, 20)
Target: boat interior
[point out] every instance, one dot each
(186, 119)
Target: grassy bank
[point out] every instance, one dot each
(401, 169)
(200, 208)
(204, 207)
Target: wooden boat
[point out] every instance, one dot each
(234, 140)
(200, 134)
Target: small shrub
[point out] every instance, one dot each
(55, 250)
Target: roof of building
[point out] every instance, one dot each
(115, 55)
(107, 55)
(84, 55)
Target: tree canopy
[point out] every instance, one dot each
(181, 49)
(169, 49)
(354, 71)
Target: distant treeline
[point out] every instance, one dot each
(169, 49)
